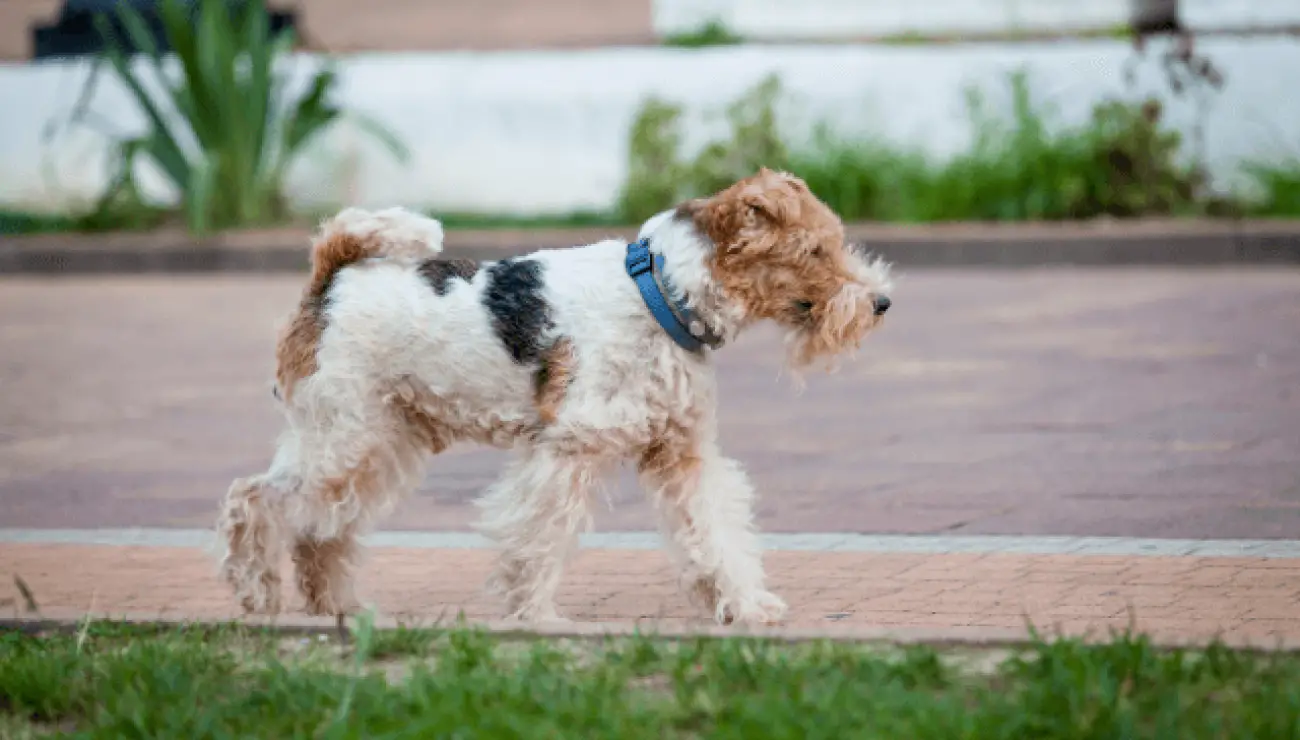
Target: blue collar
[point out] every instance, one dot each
(682, 324)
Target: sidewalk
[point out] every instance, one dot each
(1171, 598)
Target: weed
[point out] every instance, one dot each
(1280, 184)
(712, 33)
(1021, 165)
(655, 174)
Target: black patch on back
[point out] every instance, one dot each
(520, 315)
(439, 273)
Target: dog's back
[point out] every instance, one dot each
(349, 237)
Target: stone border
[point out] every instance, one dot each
(1094, 243)
(772, 541)
(64, 620)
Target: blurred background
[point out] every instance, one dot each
(1136, 397)
(591, 111)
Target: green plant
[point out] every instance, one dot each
(1025, 166)
(658, 176)
(117, 681)
(1280, 186)
(1020, 165)
(223, 128)
(712, 33)
(655, 173)
(755, 141)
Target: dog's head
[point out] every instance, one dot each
(780, 253)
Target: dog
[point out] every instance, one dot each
(578, 359)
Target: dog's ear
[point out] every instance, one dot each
(771, 196)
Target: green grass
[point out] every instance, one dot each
(226, 682)
(122, 219)
(917, 38)
(712, 33)
(1280, 183)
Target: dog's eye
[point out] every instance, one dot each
(804, 306)
(816, 251)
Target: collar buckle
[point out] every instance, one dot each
(677, 320)
(639, 260)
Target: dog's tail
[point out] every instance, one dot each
(355, 234)
(349, 237)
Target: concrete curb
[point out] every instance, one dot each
(62, 620)
(1095, 243)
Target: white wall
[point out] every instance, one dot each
(547, 132)
(832, 19)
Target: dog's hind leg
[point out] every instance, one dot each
(249, 527)
(324, 567)
(359, 469)
(535, 511)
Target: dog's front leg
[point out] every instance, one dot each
(534, 512)
(704, 502)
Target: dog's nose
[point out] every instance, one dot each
(882, 304)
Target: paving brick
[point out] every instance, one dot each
(439, 584)
(133, 401)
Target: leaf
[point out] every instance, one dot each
(200, 197)
(233, 107)
(29, 601)
(193, 92)
(382, 134)
(169, 154)
(311, 113)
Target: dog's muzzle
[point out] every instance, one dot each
(880, 304)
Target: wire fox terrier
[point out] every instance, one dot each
(577, 359)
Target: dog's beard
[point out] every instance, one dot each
(832, 331)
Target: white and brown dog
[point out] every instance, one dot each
(576, 358)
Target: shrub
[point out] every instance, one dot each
(224, 130)
(1280, 184)
(657, 176)
(712, 33)
(1123, 162)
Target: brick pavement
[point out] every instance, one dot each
(1170, 598)
(1151, 403)
(1154, 403)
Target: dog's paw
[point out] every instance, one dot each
(538, 620)
(536, 614)
(762, 608)
(261, 603)
(331, 609)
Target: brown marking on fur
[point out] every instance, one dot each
(323, 570)
(362, 480)
(558, 364)
(434, 435)
(438, 422)
(781, 253)
(673, 462)
(295, 351)
(673, 465)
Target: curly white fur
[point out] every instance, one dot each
(402, 370)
